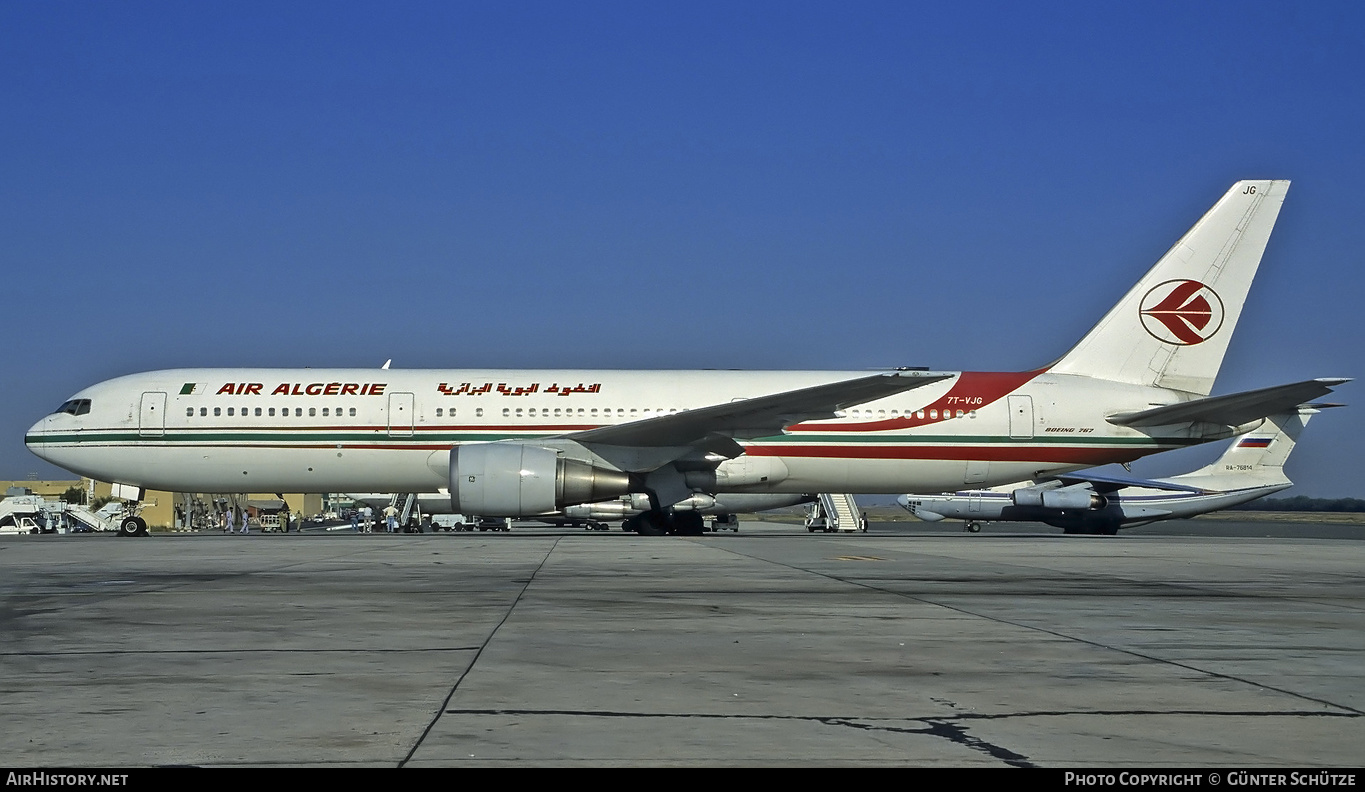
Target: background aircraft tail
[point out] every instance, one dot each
(1172, 329)
(1258, 457)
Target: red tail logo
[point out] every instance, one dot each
(1181, 312)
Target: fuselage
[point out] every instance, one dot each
(339, 430)
(1131, 506)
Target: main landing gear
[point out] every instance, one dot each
(654, 523)
(973, 527)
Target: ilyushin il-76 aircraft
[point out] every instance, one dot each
(518, 443)
(1093, 503)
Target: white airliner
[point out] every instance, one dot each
(522, 443)
(1086, 503)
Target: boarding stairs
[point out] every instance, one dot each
(834, 512)
(405, 503)
(88, 518)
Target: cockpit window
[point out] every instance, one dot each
(74, 407)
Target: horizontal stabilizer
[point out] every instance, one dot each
(760, 416)
(1233, 409)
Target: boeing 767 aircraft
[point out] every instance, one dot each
(523, 443)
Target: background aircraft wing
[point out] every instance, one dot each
(1233, 409)
(761, 416)
(1105, 484)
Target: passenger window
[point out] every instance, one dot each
(933, 415)
(203, 411)
(258, 412)
(478, 413)
(438, 412)
(352, 411)
(324, 412)
(229, 411)
(217, 411)
(189, 412)
(312, 411)
(272, 412)
(298, 412)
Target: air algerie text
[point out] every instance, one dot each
(310, 389)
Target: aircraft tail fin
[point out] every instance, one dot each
(1172, 329)
(1261, 453)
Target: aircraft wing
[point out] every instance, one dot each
(760, 416)
(1105, 484)
(1233, 409)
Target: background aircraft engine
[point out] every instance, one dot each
(519, 480)
(1063, 498)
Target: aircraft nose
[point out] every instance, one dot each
(33, 438)
(904, 501)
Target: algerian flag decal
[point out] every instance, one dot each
(192, 389)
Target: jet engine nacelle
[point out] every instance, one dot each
(1079, 497)
(522, 480)
(607, 510)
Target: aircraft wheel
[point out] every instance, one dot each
(689, 524)
(651, 524)
(973, 527)
(133, 526)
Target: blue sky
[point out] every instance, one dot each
(650, 185)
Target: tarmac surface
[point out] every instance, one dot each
(901, 646)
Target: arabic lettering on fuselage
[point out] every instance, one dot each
(302, 389)
(470, 389)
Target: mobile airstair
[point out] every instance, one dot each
(834, 512)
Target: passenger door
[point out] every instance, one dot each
(152, 417)
(400, 414)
